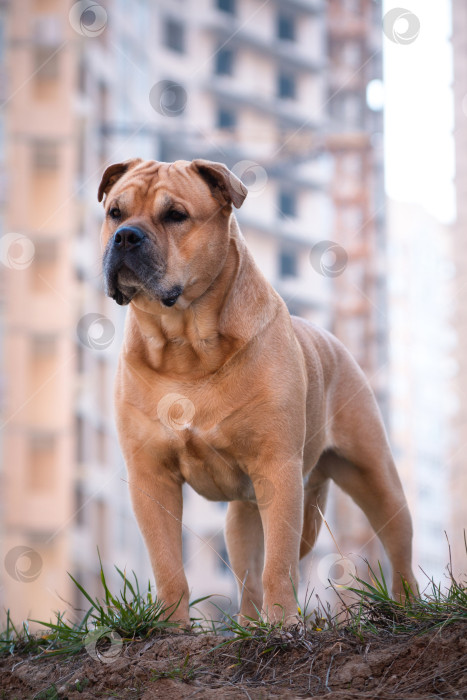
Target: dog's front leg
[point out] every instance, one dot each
(279, 494)
(157, 501)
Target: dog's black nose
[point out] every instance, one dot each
(128, 237)
(171, 298)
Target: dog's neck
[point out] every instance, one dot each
(197, 340)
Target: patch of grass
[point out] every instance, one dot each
(254, 628)
(133, 614)
(371, 609)
(130, 614)
(15, 639)
(309, 618)
(81, 685)
(374, 608)
(49, 693)
(184, 672)
(260, 627)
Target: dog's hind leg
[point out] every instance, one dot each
(245, 545)
(315, 496)
(373, 483)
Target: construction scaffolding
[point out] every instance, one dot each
(357, 184)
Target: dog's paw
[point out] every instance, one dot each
(179, 626)
(286, 616)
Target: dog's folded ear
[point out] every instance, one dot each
(113, 173)
(225, 186)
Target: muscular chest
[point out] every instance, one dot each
(214, 466)
(201, 432)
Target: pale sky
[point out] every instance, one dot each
(419, 147)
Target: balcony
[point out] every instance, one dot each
(290, 113)
(298, 233)
(292, 55)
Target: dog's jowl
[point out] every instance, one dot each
(220, 387)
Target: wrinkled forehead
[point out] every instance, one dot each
(155, 181)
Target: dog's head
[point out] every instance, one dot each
(166, 227)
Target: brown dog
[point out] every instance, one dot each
(219, 387)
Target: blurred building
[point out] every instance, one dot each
(457, 462)
(38, 307)
(278, 91)
(358, 296)
(421, 341)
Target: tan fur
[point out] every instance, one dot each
(280, 406)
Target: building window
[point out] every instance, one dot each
(47, 36)
(101, 446)
(46, 63)
(103, 101)
(80, 439)
(175, 35)
(45, 155)
(82, 77)
(224, 62)
(226, 119)
(285, 27)
(41, 463)
(226, 6)
(101, 385)
(101, 523)
(287, 204)
(286, 86)
(347, 107)
(80, 503)
(46, 251)
(288, 265)
(44, 269)
(43, 345)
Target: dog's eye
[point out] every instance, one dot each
(175, 215)
(114, 213)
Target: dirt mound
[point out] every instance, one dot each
(324, 664)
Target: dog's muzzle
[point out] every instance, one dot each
(133, 264)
